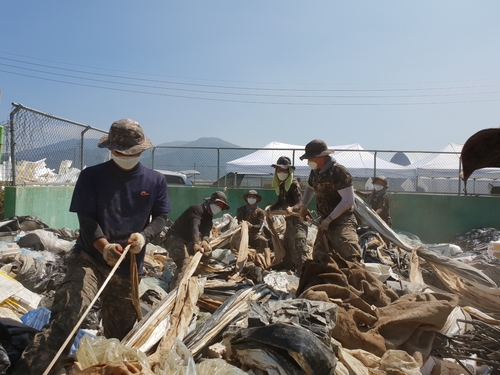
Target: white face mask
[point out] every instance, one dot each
(126, 162)
(215, 209)
(312, 164)
(282, 175)
(251, 201)
(377, 187)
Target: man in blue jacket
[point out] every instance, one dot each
(118, 203)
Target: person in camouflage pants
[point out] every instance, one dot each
(289, 199)
(331, 182)
(83, 279)
(115, 202)
(255, 216)
(378, 199)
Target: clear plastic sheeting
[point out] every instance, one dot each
(99, 350)
(361, 362)
(176, 361)
(217, 366)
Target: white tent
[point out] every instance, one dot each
(439, 173)
(359, 162)
(447, 164)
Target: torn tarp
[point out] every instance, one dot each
(316, 316)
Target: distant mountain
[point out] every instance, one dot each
(200, 142)
(167, 156)
(187, 157)
(174, 143)
(65, 150)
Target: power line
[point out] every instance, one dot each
(249, 94)
(252, 88)
(252, 102)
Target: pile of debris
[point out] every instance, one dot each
(409, 308)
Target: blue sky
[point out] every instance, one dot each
(390, 75)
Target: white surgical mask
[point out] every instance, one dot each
(282, 175)
(251, 200)
(377, 187)
(126, 162)
(312, 164)
(215, 209)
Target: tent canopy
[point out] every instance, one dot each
(359, 162)
(446, 164)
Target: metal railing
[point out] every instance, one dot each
(49, 150)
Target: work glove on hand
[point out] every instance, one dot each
(303, 211)
(207, 249)
(111, 253)
(197, 248)
(325, 224)
(136, 242)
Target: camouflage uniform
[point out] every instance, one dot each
(378, 200)
(255, 217)
(341, 235)
(295, 238)
(177, 250)
(84, 278)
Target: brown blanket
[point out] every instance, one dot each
(370, 315)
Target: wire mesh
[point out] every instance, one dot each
(46, 149)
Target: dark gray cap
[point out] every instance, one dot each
(218, 196)
(125, 136)
(316, 147)
(283, 162)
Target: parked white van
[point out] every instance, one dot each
(175, 178)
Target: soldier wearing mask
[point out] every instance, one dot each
(254, 215)
(289, 199)
(190, 233)
(378, 199)
(331, 182)
(114, 202)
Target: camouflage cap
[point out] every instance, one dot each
(283, 162)
(218, 196)
(125, 136)
(316, 147)
(254, 194)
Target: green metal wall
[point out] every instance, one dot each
(434, 218)
(49, 203)
(437, 218)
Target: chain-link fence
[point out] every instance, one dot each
(46, 149)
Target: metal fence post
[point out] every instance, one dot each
(153, 158)
(13, 143)
(459, 173)
(218, 166)
(81, 146)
